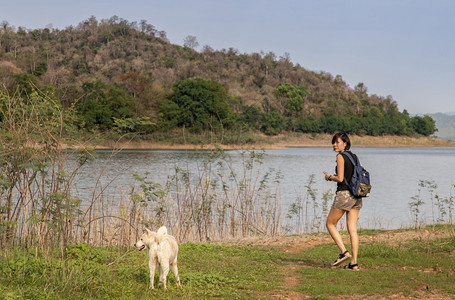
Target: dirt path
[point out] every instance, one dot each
(296, 244)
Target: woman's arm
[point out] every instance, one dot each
(340, 168)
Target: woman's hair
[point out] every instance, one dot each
(344, 137)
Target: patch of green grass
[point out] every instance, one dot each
(370, 232)
(206, 271)
(440, 246)
(234, 271)
(410, 268)
(385, 270)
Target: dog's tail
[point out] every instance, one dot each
(161, 233)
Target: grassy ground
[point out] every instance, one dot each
(400, 264)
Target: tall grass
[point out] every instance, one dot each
(308, 213)
(36, 205)
(214, 202)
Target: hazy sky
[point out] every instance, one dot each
(402, 48)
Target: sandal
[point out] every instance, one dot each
(343, 256)
(351, 267)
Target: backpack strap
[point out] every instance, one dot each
(353, 165)
(350, 158)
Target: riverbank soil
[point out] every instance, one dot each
(285, 141)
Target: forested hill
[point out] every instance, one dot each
(126, 76)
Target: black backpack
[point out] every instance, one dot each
(359, 185)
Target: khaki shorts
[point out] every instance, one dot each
(344, 200)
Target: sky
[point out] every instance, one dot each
(399, 48)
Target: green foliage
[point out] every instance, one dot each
(423, 125)
(168, 61)
(308, 125)
(141, 125)
(85, 252)
(199, 105)
(291, 98)
(251, 117)
(272, 123)
(101, 104)
(25, 83)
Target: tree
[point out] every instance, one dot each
(291, 98)
(198, 104)
(361, 89)
(272, 123)
(424, 125)
(330, 123)
(308, 125)
(190, 42)
(147, 95)
(101, 104)
(25, 83)
(251, 116)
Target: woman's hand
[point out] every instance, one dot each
(327, 176)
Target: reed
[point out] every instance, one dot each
(36, 205)
(215, 202)
(308, 213)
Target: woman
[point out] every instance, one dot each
(344, 202)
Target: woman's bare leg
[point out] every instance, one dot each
(334, 216)
(351, 221)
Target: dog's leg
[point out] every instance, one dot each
(152, 266)
(175, 270)
(164, 271)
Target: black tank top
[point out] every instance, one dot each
(348, 171)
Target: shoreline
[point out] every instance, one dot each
(283, 142)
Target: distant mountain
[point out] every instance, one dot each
(445, 122)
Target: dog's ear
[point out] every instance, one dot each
(148, 231)
(162, 231)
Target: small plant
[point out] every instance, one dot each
(450, 203)
(431, 187)
(414, 207)
(327, 196)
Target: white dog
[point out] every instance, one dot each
(163, 249)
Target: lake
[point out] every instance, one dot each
(395, 175)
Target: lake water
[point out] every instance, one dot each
(395, 175)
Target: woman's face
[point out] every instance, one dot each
(339, 145)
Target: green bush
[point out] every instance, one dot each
(197, 104)
(272, 123)
(101, 104)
